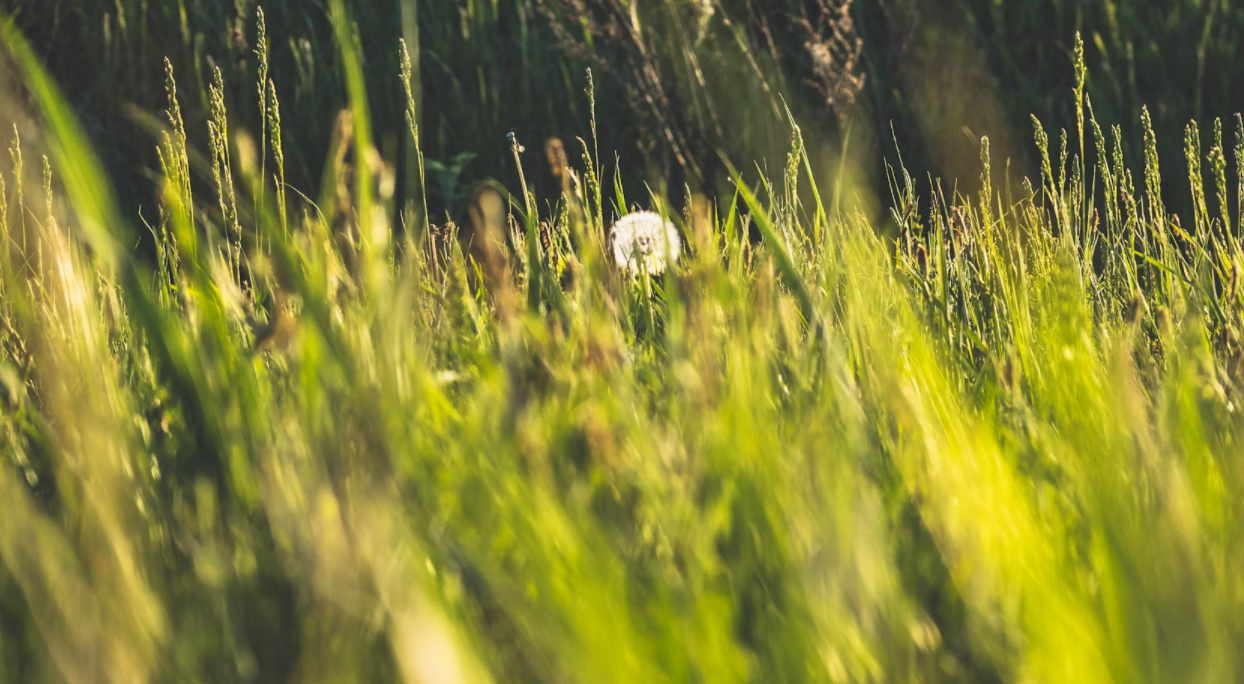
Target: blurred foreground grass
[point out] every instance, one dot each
(294, 447)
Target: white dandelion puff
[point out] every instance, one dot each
(643, 240)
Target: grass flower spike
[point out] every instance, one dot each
(644, 240)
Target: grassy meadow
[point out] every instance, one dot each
(339, 383)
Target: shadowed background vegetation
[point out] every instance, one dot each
(967, 415)
(677, 80)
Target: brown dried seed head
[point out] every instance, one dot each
(1233, 279)
(1179, 231)
(570, 276)
(546, 238)
(1163, 320)
(559, 167)
(1135, 308)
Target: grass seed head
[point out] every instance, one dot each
(1135, 308)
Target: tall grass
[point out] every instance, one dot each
(309, 447)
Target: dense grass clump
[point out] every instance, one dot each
(294, 447)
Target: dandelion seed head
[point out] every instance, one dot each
(644, 240)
